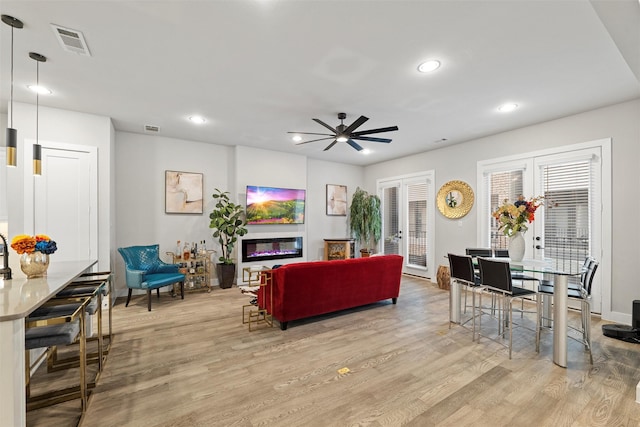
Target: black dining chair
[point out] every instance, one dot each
(477, 252)
(496, 278)
(462, 271)
(504, 253)
(583, 296)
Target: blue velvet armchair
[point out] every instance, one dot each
(145, 270)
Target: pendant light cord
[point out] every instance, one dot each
(11, 124)
(37, 101)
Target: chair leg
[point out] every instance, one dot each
(128, 297)
(158, 292)
(182, 290)
(510, 325)
(149, 299)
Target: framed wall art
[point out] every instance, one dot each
(183, 192)
(336, 200)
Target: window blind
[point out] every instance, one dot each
(417, 233)
(390, 220)
(502, 185)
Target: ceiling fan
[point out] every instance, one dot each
(343, 133)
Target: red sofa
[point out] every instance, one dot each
(308, 289)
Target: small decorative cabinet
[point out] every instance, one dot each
(339, 248)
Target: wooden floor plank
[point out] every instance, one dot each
(192, 362)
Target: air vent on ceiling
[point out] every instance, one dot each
(71, 40)
(151, 128)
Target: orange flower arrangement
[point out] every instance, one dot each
(25, 244)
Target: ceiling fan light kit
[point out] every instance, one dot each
(348, 134)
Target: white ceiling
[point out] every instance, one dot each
(259, 68)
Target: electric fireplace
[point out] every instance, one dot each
(269, 249)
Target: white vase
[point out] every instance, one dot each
(516, 247)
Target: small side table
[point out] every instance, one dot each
(255, 315)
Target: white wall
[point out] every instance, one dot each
(620, 122)
(141, 162)
(267, 168)
(323, 226)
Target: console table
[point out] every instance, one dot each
(18, 298)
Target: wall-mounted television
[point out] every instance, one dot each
(270, 205)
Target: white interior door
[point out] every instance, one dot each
(65, 200)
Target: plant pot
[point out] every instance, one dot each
(226, 275)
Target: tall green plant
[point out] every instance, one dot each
(228, 221)
(365, 219)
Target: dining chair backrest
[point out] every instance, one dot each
(461, 267)
(476, 252)
(495, 274)
(588, 276)
(501, 253)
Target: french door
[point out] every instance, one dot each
(407, 221)
(569, 226)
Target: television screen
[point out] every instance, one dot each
(269, 205)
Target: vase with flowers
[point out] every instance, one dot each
(513, 219)
(34, 253)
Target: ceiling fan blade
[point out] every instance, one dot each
(331, 145)
(312, 133)
(314, 140)
(370, 138)
(367, 132)
(352, 143)
(325, 125)
(353, 126)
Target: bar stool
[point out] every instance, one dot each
(94, 286)
(57, 322)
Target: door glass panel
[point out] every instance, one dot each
(417, 233)
(502, 185)
(390, 221)
(566, 215)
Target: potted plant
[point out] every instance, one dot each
(365, 220)
(228, 221)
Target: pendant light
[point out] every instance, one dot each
(12, 134)
(37, 148)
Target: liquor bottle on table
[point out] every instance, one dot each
(186, 252)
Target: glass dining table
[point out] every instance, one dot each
(560, 280)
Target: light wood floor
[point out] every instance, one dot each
(193, 363)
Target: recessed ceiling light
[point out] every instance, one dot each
(41, 90)
(428, 66)
(296, 138)
(507, 108)
(366, 151)
(197, 119)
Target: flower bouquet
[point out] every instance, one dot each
(34, 253)
(513, 217)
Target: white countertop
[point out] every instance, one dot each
(20, 296)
